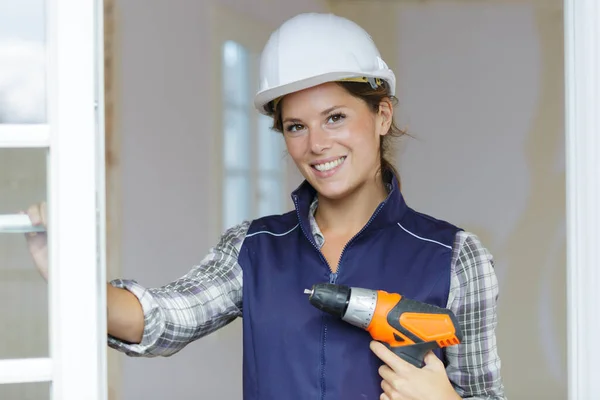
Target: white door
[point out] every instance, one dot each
(50, 88)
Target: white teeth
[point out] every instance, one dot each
(329, 165)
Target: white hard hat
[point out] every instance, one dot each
(310, 49)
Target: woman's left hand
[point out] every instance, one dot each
(404, 381)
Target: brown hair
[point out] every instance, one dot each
(373, 98)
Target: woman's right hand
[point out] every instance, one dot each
(37, 242)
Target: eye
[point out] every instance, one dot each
(336, 117)
(294, 127)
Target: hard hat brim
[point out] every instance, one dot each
(264, 97)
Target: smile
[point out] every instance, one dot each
(329, 165)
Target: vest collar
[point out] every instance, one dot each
(390, 211)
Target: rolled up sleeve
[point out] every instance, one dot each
(207, 298)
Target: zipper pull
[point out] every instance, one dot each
(332, 277)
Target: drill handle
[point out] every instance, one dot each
(413, 354)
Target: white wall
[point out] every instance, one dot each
(481, 89)
(167, 122)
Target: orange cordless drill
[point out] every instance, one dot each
(407, 327)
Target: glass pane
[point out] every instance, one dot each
(270, 195)
(236, 207)
(236, 143)
(23, 292)
(22, 61)
(236, 83)
(271, 146)
(25, 391)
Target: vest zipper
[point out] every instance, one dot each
(334, 275)
(332, 278)
(324, 324)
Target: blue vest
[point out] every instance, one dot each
(292, 350)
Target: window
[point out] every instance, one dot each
(61, 350)
(253, 162)
(22, 57)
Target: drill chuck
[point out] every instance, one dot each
(355, 306)
(332, 299)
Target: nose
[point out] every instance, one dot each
(319, 140)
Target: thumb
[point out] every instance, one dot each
(432, 361)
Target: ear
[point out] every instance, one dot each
(384, 117)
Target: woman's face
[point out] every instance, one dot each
(333, 137)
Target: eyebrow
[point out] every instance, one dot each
(324, 112)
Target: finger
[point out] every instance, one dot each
(388, 374)
(34, 214)
(43, 213)
(387, 356)
(384, 397)
(389, 391)
(387, 388)
(432, 361)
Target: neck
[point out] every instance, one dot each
(349, 215)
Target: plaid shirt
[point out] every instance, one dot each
(209, 297)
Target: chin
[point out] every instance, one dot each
(333, 191)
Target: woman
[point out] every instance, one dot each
(332, 98)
